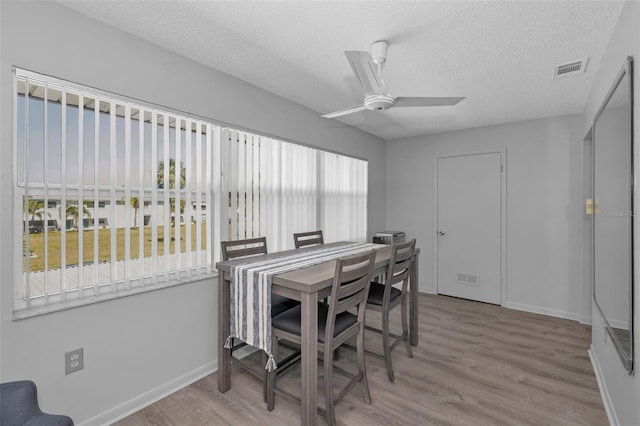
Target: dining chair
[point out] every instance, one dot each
(243, 248)
(384, 297)
(252, 247)
(336, 324)
(303, 239)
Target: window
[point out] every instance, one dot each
(114, 197)
(276, 188)
(115, 181)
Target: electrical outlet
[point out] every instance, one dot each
(73, 361)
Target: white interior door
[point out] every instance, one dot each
(469, 226)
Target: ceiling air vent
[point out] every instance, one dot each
(571, 68)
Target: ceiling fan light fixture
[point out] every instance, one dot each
(379, 102)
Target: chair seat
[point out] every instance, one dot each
(280, 304)
(376, 293)
(291, 321)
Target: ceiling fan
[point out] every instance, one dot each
(367, 69)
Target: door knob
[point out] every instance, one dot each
(441, 234)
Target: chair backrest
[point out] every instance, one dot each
(303, 239)
(399, 266)
(350, 287)
(19, 406)
(243, 248)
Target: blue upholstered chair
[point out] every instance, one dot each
(20, 407)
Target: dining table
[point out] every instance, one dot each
(308, 285)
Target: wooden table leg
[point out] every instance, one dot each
(309, 368)
(224, 355)
(413, 310)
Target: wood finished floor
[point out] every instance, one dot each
(476, 364)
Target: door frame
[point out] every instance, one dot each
(503, 214)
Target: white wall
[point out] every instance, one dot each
(620, 390)
(543, 196)
(137, 347)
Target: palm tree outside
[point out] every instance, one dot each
(73, 212)
(135, 205)
(172, 174)
(172, 183)
(35, 207)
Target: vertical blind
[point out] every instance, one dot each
(277, 188)
(112, 197)
(344, 197)
(272, 188)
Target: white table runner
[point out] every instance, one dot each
(250, 292)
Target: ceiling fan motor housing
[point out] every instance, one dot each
(379, 102)
(379, 51)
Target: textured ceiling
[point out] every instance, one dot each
(499, 54)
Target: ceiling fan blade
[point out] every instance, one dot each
(365, 71)
(345, 111)
(425, 101)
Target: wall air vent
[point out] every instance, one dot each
(472, 279)
(570, 68)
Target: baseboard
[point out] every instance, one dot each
(427, 290)
(584, 319)
(623, 325)
(604, 392)
(129, 407)
(543, 311)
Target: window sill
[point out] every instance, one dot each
(105, 293)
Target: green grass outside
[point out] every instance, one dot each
(37, 246)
